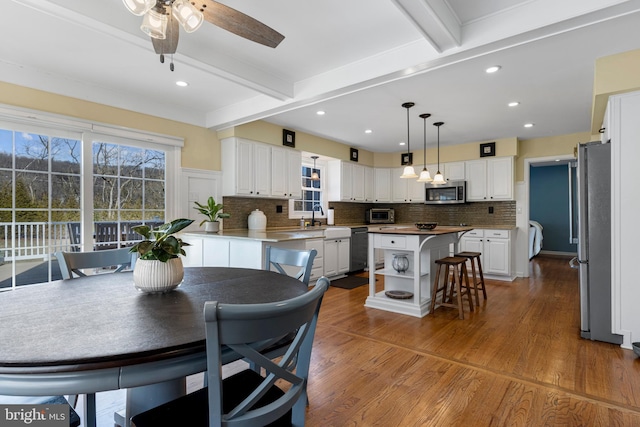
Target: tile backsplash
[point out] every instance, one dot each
(348, 213)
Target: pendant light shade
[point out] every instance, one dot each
(139, 7)
(408, 172)
(425, 176)
(314, 174)
(438, 178)
(154, 24)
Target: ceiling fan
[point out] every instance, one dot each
(162, 20)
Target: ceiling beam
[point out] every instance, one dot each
(435, 20)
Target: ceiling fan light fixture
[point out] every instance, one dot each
(187, 15)
(154, 24)
(139, 7)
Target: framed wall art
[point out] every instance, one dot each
(406, 159)
(488, 149)
(354, 154)
(288, 138)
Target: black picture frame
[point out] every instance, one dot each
(488, 149)
(406, 159)
(354, 155)
(288, 138)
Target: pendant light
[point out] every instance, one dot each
(314, 174)
(439, 178)
(408, 172)
(425, 176)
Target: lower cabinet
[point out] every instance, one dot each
(336, 256)
(497, 251)
(318, 262)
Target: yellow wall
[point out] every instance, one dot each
(614, 74)
(547, 147)
(201, 146)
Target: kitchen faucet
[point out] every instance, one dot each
(313, 214)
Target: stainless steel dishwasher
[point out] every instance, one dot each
(359, 249)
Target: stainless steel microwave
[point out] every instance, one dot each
(448, 193)
(380, 216)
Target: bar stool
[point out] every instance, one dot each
(474, 258)
(455, 271)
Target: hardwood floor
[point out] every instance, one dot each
(517, 360)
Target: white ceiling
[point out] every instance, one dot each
(357, 60)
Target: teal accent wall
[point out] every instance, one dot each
(549, 205)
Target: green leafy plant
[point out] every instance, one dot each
(211, 210)
(159, 244)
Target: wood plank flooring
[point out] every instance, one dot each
(518, 360)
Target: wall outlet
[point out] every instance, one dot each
(490, 209)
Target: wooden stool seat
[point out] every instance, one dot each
(474, 259)
(455, 272)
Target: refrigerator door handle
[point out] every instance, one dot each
(573, 263)
(573, 226)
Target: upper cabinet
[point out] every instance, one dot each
(261, 170)
(454, 171)
(286, 167)
(406, 190)
(489, 179)
(382, 186)
(349, 182)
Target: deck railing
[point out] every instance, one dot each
(39, 240)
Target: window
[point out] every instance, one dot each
(312, 193)
(58, 185)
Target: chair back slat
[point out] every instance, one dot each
(244, 328)
(72, 263)
(294, 263)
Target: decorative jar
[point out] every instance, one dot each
(400, 263)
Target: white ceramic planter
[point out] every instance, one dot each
(157, 276)
(212, 226)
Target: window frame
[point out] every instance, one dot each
(322, 166)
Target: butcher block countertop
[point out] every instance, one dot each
(444, 229)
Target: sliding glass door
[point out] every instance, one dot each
(64, 190)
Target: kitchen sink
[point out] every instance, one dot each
(337, 232)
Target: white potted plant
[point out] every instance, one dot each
(159, 268)
(212, 211)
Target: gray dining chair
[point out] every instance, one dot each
(248, 398)
(292, 262)
(72, 263)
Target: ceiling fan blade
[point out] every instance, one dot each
(238, 23)
(168, 45)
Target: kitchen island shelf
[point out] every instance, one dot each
(422, 248)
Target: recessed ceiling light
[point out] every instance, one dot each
(493, 69)
(513, 104)
(368, 131)
(320, 113)
(182, 83)
(528, 125)
(402, 143)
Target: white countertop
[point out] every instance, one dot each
(264, 236)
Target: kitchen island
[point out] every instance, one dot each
(421, 248)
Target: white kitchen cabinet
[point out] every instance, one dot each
(496, 248)
(405, 190)
(369, 184)
(318, 262)
(245, 166)
(489, 179)
(204, 252)
(454, 171)
(336, 256)
(345, 181)
(382, 178)
(286, 166)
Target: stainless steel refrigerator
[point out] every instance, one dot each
(594, 241)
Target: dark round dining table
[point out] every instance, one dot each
(100, 333)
